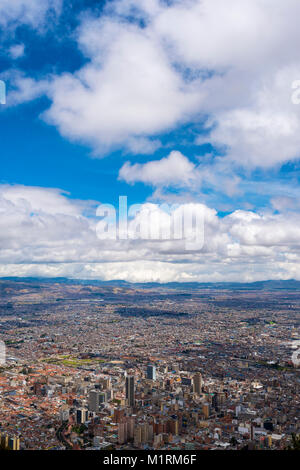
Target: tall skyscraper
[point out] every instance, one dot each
(105, 383)
(197, 383)
(206, 410)
(122, 432)
(151, 372)
(4, 440)
(102, 397)
(14, 443)
(143, 433)
(130, 390)
(64, 413)
(215, 402)
(94, 400)
(81, 416)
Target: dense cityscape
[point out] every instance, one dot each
(93, 365)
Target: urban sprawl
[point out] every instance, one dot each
(119, 366)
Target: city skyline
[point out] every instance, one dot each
(93, 366)
(149, 230)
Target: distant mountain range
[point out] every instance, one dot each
(290, 284)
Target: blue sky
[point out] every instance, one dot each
(180, 101)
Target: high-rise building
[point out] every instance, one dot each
(215, 402)
(94, 400)
(197, 383)
(126, 429)
(130, 390)
(105, 383)
(4, 441)
(122, 432)
(64, 413)
(137, 436)
(119, 414)
(206, 410)
(102, 397)
(186, 381)
(130, 427)
(174, 426)
(14, 443)
(143, 433)
(81, 416)
(151, 372)
(9, 443)
(109, 394)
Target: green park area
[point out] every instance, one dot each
(73, 361)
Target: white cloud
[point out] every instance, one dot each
(175, 170)
(216, 35)
(136, 86)
(267, 131)
(44, 232)
(251, 48)
(128, 91)
(14, 13)
(16, 51)
(23, 89)
(39, 200)
(284, 203)
(234, 63)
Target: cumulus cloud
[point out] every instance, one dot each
(16, 51)
(250, 48)
(265, 132)
(285, 203)
(230, 67)
(126, 93)
(39, 200)
(214, 34)
(23, 89)
(45, 232)
(26, 12)
(179, 62)
(233, 63)
(175, 169)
